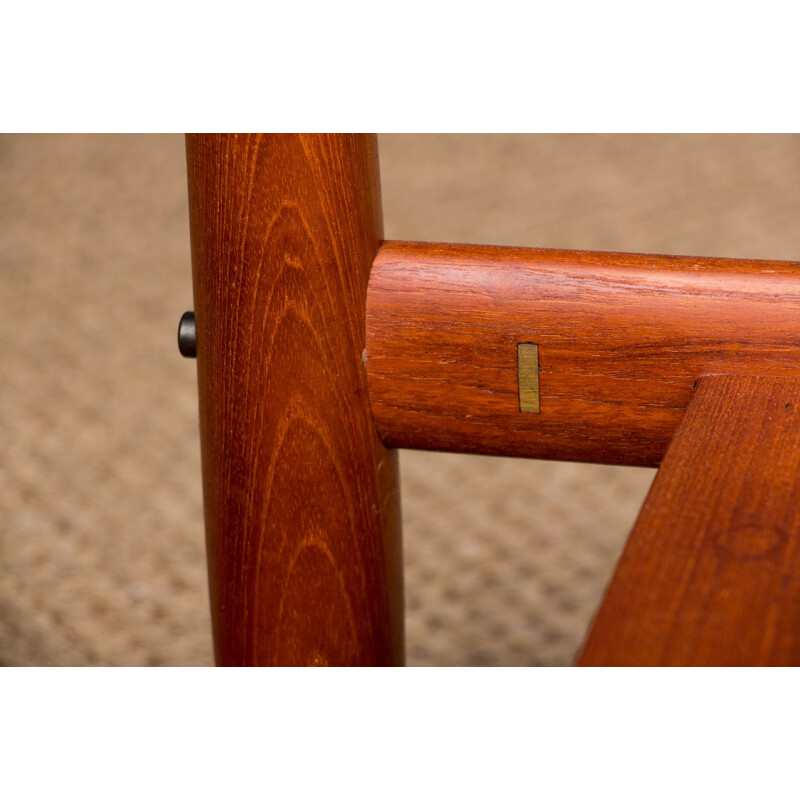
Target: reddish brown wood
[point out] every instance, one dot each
(711, 573)
(622, 339)
(302, 501)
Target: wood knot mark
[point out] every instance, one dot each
(750, 542)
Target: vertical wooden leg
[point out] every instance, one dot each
(301, 498)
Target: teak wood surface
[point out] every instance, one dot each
(621, 338)
(301, 497)
(711, 573)
(309, 367)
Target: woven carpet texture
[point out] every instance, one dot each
(101, 530)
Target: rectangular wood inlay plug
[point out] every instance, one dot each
(528, 376)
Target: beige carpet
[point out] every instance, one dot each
(101, 539)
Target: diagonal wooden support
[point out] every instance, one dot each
(711, 573)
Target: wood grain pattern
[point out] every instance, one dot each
(622, 338)
(301, 498)
(711, 573)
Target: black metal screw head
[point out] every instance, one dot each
(187, 336)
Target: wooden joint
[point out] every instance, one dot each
(528, 377)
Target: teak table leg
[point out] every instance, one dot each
(301, 498)
(711, 573)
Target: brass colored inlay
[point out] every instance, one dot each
(528, 371)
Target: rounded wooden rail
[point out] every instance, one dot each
(621, 340)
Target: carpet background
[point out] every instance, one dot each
(101, 535)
